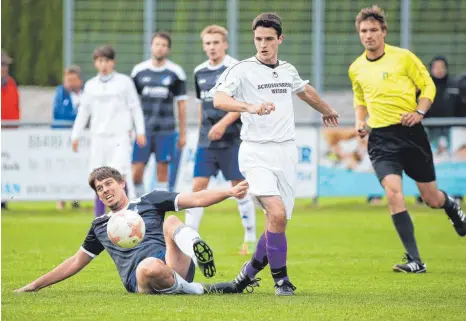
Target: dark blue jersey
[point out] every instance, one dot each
(152, 208)
(158, 88)
(205, 77)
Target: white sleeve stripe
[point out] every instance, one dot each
(87, 252)
(181, 97)
(177, 209)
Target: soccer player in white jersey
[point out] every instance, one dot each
(261, 89)
(111, 102)
(219, 135)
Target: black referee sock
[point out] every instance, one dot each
(451, 209)
(404, 227)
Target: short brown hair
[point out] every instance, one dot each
(371, 13)
(102, 173)
(74, 69)
(163, 34)
(105, 51)
(211, 29)
(268, 20)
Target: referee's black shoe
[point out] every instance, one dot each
(411, 266)
(460, 227)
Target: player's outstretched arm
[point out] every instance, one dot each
(312, 98)
(68, 268)
(210, 197)
(224, 102)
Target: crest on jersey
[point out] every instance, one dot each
(385, 75)
(275, 74)
(145, 79)
(166, 80)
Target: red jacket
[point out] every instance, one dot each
(10, 100)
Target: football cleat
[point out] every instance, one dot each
(244, 282)
(221, 288)
(460, 228)
(205, 258)
(411, 266)
(284, 288)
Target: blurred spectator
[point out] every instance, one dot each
(461, 107)
(67, 98)
(65, 106)
(444, 105)
(10, 97)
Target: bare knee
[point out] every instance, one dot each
(395, 199)
(162, 172)
(200, 183)
(276, 213)
(138, 173)
(170, 224)
(153, 273)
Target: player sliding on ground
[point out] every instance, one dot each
(385, 79)
(164, 261)
(261, 89)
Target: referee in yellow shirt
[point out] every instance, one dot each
(384, 80)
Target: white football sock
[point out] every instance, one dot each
(162, 186)
(184, 237)
(193, 217)
(247, 212)
(140, 190)
(182, 286)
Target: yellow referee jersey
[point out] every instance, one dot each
(387, 86)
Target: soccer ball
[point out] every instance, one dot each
(126, 229)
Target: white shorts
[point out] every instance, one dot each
(113, 151)
(270, 169)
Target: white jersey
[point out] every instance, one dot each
(254, 82)
(113, 105)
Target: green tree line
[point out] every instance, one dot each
(32, 34)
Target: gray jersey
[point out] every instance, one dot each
(152, 208)
(205, 77)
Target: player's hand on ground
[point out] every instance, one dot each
(75, 145)
(411, 119)
(240, 190)
(27, 288)
(216, 132)
(262, 109)
(330, 119)
(361, 129)
(181, 140)
(141, 140)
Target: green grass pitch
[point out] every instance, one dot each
(340, 258)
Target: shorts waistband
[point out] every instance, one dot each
(284, 143)
(397, 127)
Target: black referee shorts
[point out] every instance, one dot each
(398, 148)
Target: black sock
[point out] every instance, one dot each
(451, 209)
(404, 227)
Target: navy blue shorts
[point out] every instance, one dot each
(210, 160)
(163, 145)
(132, 285)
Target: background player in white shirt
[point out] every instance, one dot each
(219, 135)
(260, 88)
(111, 102)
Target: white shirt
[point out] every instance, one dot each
(253, 82)
(113, 105)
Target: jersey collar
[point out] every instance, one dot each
(272, 66)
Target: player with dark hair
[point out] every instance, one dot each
(261, 89)
(160, 83)
(385, 79)
(164, 261)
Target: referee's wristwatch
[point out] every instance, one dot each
(421, 112)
